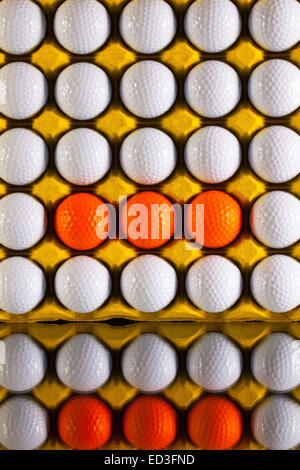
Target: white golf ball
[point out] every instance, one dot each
(23, 26)
(147, 26)
(274, 87)
(214, 362)
(214, 283)
(82, 91)
(275, 362)
(82, 156)
(149, 363)
(23, 221)
(275, 423)
(212, 88)
(148, 156)
(22, 285)
(23, 90)
(83, 363)
(148, 89)
(25, 363)
(212, 154)
(82, 284)
(23, 156)
(212, 25)
(148, 283)
(81, 27)
(275, 219)
(275, 283)
(24, 423)
(275, 25)
(266, 152)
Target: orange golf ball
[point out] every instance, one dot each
(82, 221)
(147, 220)
(84, 422)
(221, 221)
(150, 423)
(214, 423)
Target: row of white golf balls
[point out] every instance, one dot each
(148, 89)
(150, 363)
(274, 220)
(148, 155)
(149, 283)
(148, 26)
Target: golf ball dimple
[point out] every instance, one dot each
(83, 363)
(147, 26)
(22, 285)
(214, 283)
(212, 154)
(149, 363)
(148, 283)
(275, 219)
(25, 363)
(212, 25)
(212, 88)
(23, 156)
(81, 27)
(82, 156)
(82, 284)
(275, 283)
(275, 362)
(22, 26)
(23, 221)
(214, 362)
(275, 25)
(274, 154)
(274, 87)
(23, 90)
(148, 156)
(24, 423)
(148, 89)
(275, 423)
(82, 91)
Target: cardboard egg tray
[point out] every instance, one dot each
(180, 122)
(117, 393)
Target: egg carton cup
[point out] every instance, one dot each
(115, 123)
(51, 393)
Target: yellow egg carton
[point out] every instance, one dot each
(117, 393)
(180, 122)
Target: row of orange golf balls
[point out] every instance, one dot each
(149, 219)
